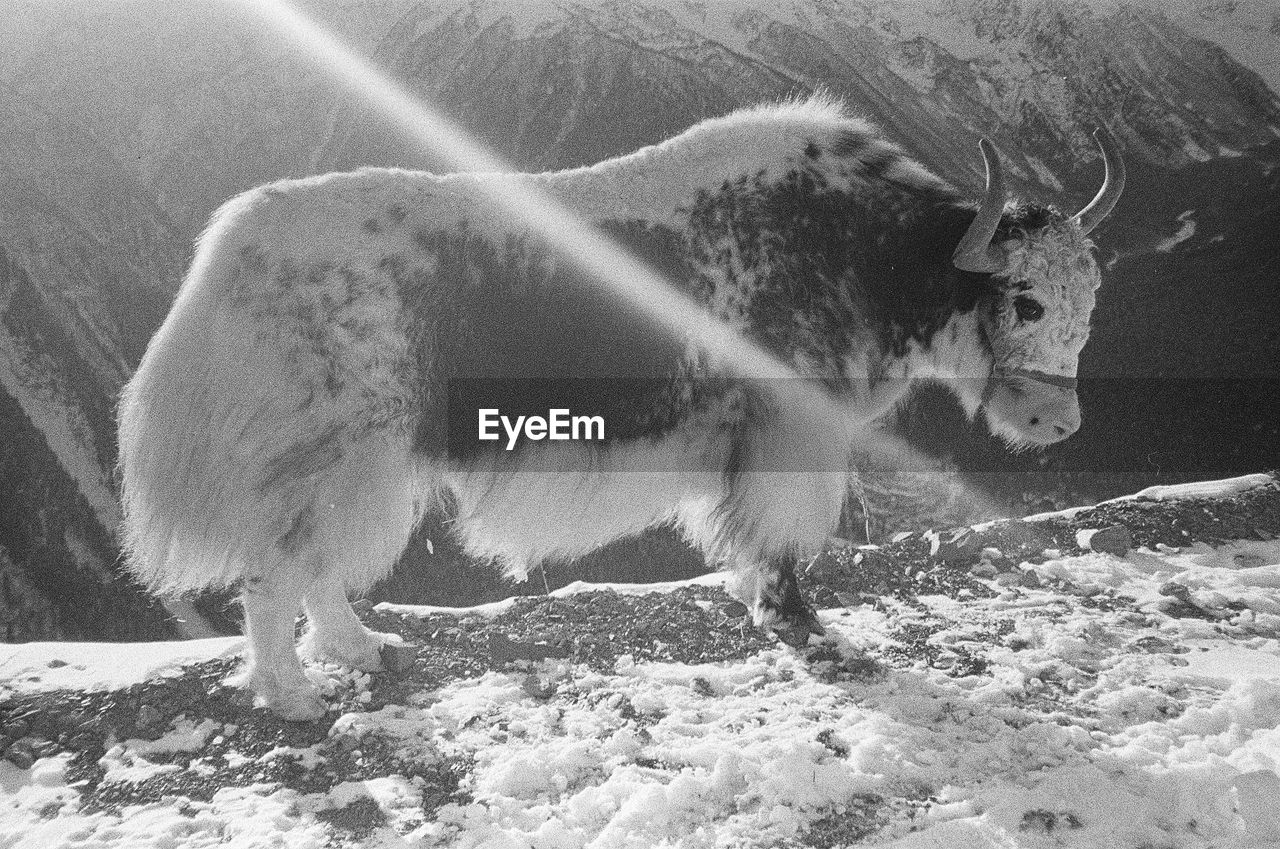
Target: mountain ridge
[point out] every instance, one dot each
(105, 192)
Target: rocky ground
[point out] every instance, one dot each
(950, 603)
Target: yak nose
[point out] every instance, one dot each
(1056, 417)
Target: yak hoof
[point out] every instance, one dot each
(781, 608)
(304, 705)
(793, 625)
(297, 701)
(362, 651)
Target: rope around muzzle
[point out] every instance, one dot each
(1001, 372)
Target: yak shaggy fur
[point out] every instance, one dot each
(287, 426)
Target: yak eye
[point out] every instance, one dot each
(1028, 309)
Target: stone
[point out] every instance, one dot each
(20, 755)
(148, 716)
(1257, 792)
(984, 569)
(1113, 539)
(538, 688)
(957, 544)
(398, 657)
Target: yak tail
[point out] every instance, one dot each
(229, 465)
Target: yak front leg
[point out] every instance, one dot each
(778, 605)
(335, 633)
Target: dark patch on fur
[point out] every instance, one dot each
(878, 162)
(301, 530)
(755, 408)
(736, 462)
(396, 213)
(826, 262)
(513, 325)
(317, 273)
(1027, 219)
(878, 254)
(851, 143)
(784, 597)
(253, 258)
(305, 458)
(812, 150)
(287, 275)
(395, 266)
(332, 382)
(372, 225)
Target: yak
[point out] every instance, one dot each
(316, 386)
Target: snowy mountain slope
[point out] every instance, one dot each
(1034, 76)
(82, 251)
(1010, 689)
(39, 368)
(57, 561)
(82, 247)
(1249, 30)
(215, 107)
(191, 96)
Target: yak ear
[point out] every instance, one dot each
(975, 251)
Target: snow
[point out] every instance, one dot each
(30, 667)
(1166, 492)
(1202, 489)
(1244, 28)
(497, 608)
(1240, 27)
(1101, 726)
(34, 382)
(1186, 231)
(1044, 174)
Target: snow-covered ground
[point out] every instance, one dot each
(1070, 699)
(1186, 231)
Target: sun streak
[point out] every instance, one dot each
(577, 240)
(602, 258)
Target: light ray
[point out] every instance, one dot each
(592, 251)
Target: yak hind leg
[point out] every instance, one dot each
(335, 633)
(273, 670)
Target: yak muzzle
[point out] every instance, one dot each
(1028, 409)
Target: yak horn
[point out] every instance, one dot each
(1112, 183)
(975, 251)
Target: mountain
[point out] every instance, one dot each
(557, 85)
(83, 253)
(125, 124)
(216, 104)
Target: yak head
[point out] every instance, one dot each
(1041, 294)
